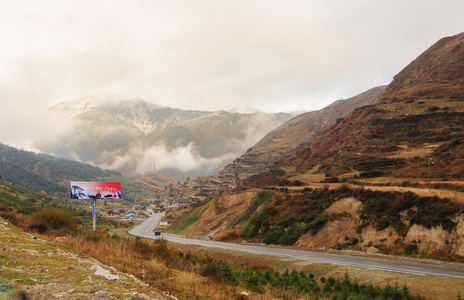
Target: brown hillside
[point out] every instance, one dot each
(364, 181)
(419, 115)
(298, 132)
(440, 68)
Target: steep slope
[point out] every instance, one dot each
(382, 154)
(61, 273)
(297, 132)
(420, 116)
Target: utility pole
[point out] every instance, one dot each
(94, 214)
(430, 162)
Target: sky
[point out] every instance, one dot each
(268, 55)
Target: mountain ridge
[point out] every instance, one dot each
(295, 133)
(387, 177)
(105, 128)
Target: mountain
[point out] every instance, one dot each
(41, 172)
(130, 136)
(420, 116)
(295, 133)
(364, 182)
(52, 175)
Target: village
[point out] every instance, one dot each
(173, 197)
(142, 210)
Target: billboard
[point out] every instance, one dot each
(95, 190)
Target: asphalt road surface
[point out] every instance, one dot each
(145, 230)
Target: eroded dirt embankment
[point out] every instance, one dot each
(342, 227)
(222, 212)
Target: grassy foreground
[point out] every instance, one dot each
(157, 269)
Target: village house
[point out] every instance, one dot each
(117, 212)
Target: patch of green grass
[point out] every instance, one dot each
(179, 226)
(184, 223)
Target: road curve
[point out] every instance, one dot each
(145, 230)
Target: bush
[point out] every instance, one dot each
(40, 227)
(371, 174)
(332, 179)
(411, 249)
(57, 220)
(212, 270)
(9, 215)
(273, 235)
(291, 236)
(317, 224)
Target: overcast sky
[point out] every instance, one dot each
(210, 54)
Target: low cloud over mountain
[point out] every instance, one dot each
(131, 136)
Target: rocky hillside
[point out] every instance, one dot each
(294, 134)
(421, 116)
(130, 136)
(33, 268)
(363, 183)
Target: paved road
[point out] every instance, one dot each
(146, 230)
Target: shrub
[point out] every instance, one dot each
(228, 273)
(332, 179)
(212, 270)
(317, 224)
(57, 219)
(40, 227)
(291, 236)
(3, 207)
(230, 234)
(273, 235)
(271, 208)
(371, 174)
(8, 215)
(289, 220)
(297, 183)
(411, 249)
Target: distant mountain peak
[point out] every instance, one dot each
(129, 135)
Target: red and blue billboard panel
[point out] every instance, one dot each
(95, 190)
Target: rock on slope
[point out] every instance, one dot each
(44, 270)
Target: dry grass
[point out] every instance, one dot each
(43, 269)
(385, 184)
(158, 272)
(187, 284)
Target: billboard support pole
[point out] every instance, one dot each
(95, 190)
(94, 214)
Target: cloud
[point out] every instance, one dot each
(210, 55)
(179, 162)
(23, 126)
